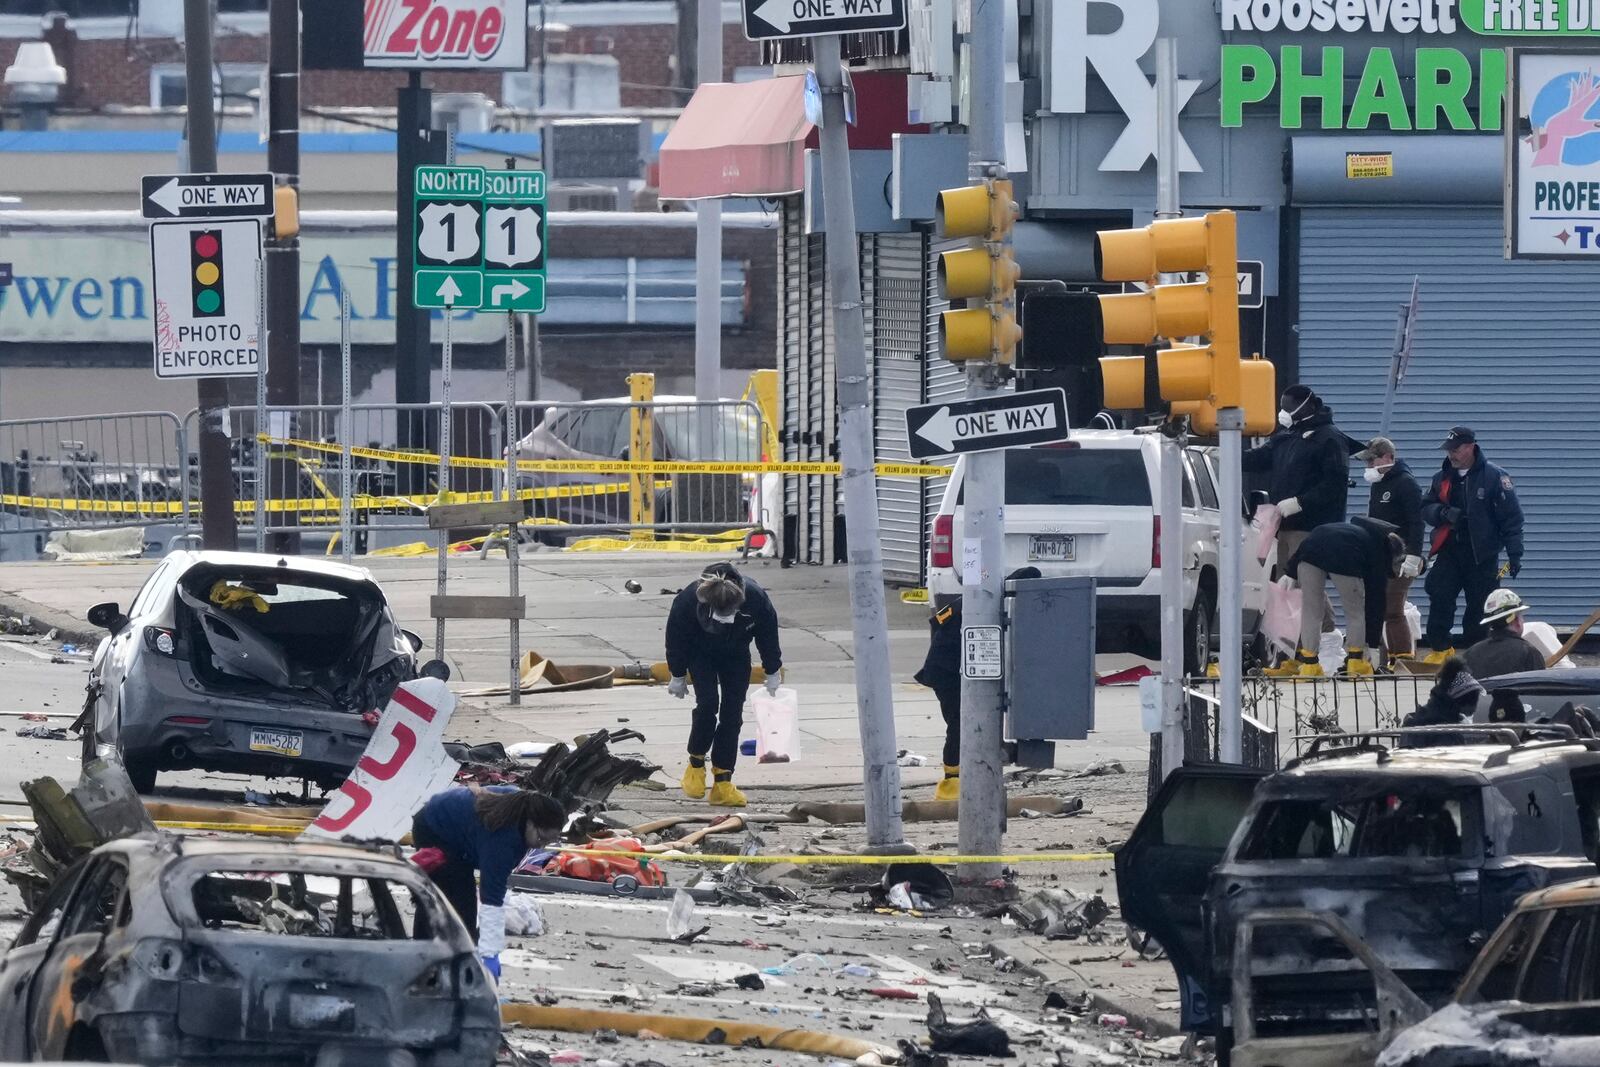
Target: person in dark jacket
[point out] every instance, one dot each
(487, 831)
(1307, 463)
(1396, 499)
(1503, 650)
(1453, 698)
(709, 630)
(1473, 509)
(1360, 557)
(941, 672)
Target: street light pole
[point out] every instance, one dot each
(219, 526)
(869, 617)
(1168, 206)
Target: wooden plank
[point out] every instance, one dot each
(485, 513)
(478, 607)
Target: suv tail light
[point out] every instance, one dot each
(943, 543)
(1155, 543)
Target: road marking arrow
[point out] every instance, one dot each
(940, 429)
(449, 292)
(515, 289)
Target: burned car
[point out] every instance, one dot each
(1532, 997)
(159, 949)
(238, 661)
(1418, 841)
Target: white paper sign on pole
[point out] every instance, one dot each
(1553, 156)
(405, 764)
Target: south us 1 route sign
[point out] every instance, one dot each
(207, 297)
(1006, 421)
(480, 239)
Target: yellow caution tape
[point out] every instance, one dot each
(616, 466)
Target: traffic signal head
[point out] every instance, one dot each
(205, 273)
(1187, 373)
(285, 212)
(987, 273)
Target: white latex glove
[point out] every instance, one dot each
(491, 929)
(678, 687)
(1411, 567)
(772, 684)
(1289, 507)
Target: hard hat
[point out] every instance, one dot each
(1502, 604)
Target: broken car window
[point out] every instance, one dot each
(99, 904)
(1392, 824)
(298, 905)
(1500, 983)
(1562, 967)
(1203, 812)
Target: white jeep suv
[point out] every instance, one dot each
(1088, 506)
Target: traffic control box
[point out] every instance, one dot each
(987, 271)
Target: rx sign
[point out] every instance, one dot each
(480, 239)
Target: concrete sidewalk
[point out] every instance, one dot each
(580, 612)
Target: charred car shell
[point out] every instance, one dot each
(1419, 841)
(247, 662)
(161, 950)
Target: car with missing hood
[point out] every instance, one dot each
(179, 951)
(243, 661)
(1418, 841)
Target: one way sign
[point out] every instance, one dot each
(782, 19)
(205, 196)
(1006, 421)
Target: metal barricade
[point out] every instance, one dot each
(722, 437)
(393, 468)
(93, 472)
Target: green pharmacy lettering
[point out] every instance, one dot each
(1314, 88)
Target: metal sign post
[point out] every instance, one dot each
(515, 589)
(261, 412)
(346, 428)
(444, 475)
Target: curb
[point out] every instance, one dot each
(42, 619)
(1140, 1013)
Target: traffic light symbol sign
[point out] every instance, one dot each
(205, 278)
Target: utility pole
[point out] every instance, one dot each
(1171, 487)
(413, 341)
(983, 795)
(283, 254)
(869, 620)
(708, 250)
(219, 527)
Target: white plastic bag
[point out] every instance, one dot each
(1331, 652)
(1542, 635)
(777, 725)
(523, 916)
(1414, 623)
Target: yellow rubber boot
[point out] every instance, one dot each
(724, 794)
(694, 782)
(1435, 659)
(949, 787)
(1309, 665)
(1287, 667)
(1356, 664)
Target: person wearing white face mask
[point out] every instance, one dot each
(1396, 499)
(709, 630)
(1307, 463)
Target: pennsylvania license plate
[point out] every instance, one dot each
(277, 742)
(1052, 547)
(1058, 548)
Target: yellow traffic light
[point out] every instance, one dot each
(1188, 374)
(1258, 388)
(285, 212)
(988, 273)
(1123, 381)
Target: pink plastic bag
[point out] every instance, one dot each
(1265, 523)
(1281, 620)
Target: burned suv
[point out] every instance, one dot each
(238, 661)
(1418, 841)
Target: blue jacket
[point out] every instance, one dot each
(694, 636)
(1492, 514)
(1311, 462)
(495, 853)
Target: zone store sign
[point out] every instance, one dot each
(437, 34)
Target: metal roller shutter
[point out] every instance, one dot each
(897, 351)
(1506, 347)
(805, 365)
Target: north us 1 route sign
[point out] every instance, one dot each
(768, 19)
(207, 297)
(480, 239)
(1005, 421)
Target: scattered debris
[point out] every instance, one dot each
(1059, 913)
(751, 981)
(524, 918)
(907, 758)
(44, 733)
(680, 920)
(980, 1036)
(930, 810)
(1100, 768)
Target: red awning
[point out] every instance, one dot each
(738, 139)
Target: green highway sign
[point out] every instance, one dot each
(480, 238)
(449, 288)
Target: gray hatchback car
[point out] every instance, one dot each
(247, 662)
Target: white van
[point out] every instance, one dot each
(1088, 506)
